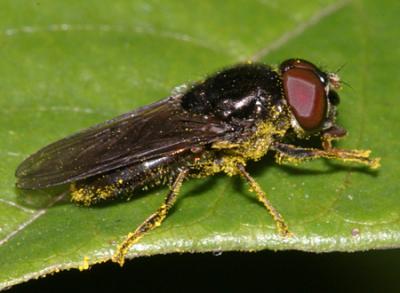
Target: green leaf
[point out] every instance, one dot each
(66, 65)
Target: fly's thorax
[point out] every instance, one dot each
(251, 144)
(242, 92)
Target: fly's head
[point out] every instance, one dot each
(311, 95)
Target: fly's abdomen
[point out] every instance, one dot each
(125, 181)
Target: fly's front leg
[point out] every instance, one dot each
(151, 222)
(293, 154)
(261, 196)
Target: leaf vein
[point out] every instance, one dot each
(299, 29)
(36, 215)
(113, 28)
(13, 204)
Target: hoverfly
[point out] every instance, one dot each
(216, 125)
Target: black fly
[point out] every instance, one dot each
(216, 125)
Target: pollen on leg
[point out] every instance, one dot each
(151, 222)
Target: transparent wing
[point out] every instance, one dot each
(153, 131)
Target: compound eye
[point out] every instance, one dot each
(305, 94)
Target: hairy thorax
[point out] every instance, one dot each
(226, 155)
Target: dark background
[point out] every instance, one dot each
(266, 271)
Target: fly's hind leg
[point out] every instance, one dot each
(293, 154)
(151, 222)
(261, 196)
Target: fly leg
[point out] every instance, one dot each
(151, 222)
(293, 154)
(261, 196)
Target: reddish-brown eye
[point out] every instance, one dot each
(305, 94)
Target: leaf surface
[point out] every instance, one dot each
(66, 66)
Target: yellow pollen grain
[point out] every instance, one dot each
(85, 264)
